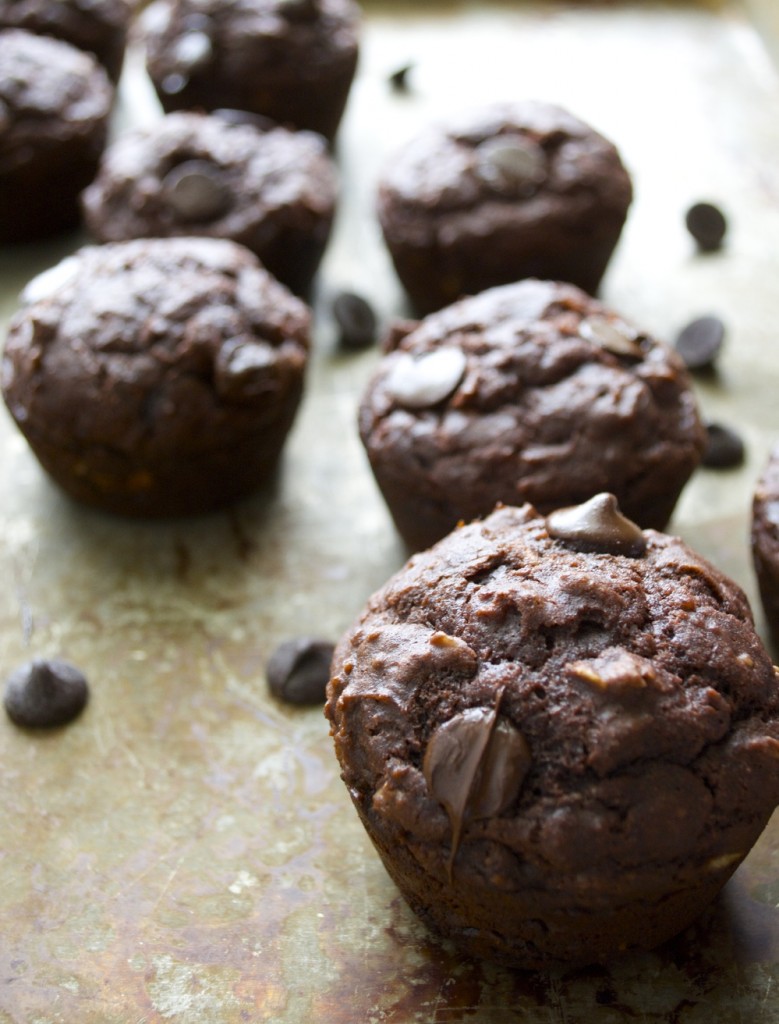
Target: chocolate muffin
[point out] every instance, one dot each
(98, 26)
(157, 377)
(499, 194)
(765, 541)
(530, 392)
(290, 60)
(272, 190)
(561, 734)
(55, 104)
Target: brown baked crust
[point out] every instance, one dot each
(157, 377)
(55, 104)
(98, 26)
(765, 541)
(452, 229)
(543, 413)
(278, 190)
(651, 713)
(292, 62)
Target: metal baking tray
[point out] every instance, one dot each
(185, 852)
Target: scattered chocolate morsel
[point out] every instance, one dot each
(699, 343)
(298, 670)
(597, 525)
(195, 191)
(44, 693)
(612, 335)
(707, 225)
(399, 79)
(474, 766)
(511, 163)
(356, 320)
(724, 447)
(421, 381)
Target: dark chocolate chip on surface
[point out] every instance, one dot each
(44, 693)
(355, 319)
(195, 191)
(511, 163)
(707, 225)
(724, 448)
(597, 525)
(700, 341)
(419, 382)
(399, 79)
(612, 335)
(298, 670)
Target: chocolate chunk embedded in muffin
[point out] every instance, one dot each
(499, 194)
(561, 734)
(291, 60)
(533, 392)
(98, 26)
(272, 190)
(157, 377)
(765, 540)
(55, 104)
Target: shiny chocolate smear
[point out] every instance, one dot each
(597, 525)
(611, 335)
(511, 164)
(419, 382)
(474, 766)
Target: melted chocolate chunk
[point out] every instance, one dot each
(511, 163)
(355, 319)
(474, 766)
(243, 371)
(196, 192)
(597, 525)
(699, 343)
(611, 335)
(298, 670)
(707, 225)
(45, 693)
(419, 382)
(724, 448)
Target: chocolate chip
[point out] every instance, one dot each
(44, 693)
(260, 121)
(355, 319)
(699, 343)
(195, 191)
(511, 163)
(241, 370)
(724, 448)
(597, 525)
(707, 225)
(298, 670)
(398, 80)
(613, 335)
(419, 382)
(474, 766)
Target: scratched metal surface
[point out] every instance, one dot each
(185, 852)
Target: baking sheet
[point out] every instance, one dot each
(185, 851)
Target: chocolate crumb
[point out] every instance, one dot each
(298, 670)
(707, 224)
(45, 693)
(399, 79)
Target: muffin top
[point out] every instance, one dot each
(532, 157)
(50, 92)
(153, 342)
(530, 392)
(205, 175)
(544, 696)
(295, 39)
